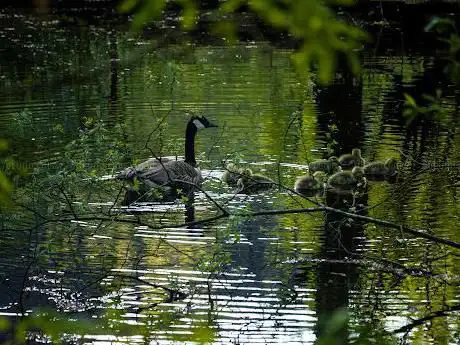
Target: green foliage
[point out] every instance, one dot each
(440, 24)
(152, 9)
(57, 326)
(453, 69)
(323, 36)
(333, 328)
(446, 27)
(5, 185)
(375, 332)
(23, 123)
(204, 333)
(434, 110)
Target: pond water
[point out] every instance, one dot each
(79, 99)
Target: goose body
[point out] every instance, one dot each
(350, 160)
(310, 185)
(250, 183)
(329, 166)
(165, 173)
(346, 181)
(381, 170)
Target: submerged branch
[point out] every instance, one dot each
(226, 214)
(414, 232)
(421, 321)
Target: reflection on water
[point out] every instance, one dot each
(267, 279)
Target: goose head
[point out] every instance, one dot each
(358, 173)
(356, 153)
(391, 163)
(333, 159)
(334, 163)
(320, 176)
(246, 172)
(201, 122)
(231, 167)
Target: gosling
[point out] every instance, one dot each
(250, 183)
(329, 166)
(350, 160)
(310, 185)
(347, 182)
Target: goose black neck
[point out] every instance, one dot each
(190, 144)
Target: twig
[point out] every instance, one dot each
(422, 320)
(69, 203)
(416, 233)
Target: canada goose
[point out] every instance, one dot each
(250, 183)
(232, 174)
(330, 165)
(310, 185)
(165, 173)
(381, 170)
(346, 181)
(350, 160)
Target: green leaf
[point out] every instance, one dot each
(127, 5)
(440, 24)
(410, 101)
(190, 13)
(230, 6)
(326, 65)
(150, 10)
(3, 145)
(226, 29)
(433, 22)
(342, 2)
(4, 324)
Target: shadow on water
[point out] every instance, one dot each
(340, 104)
(337, 271)
(132, 199)
(336, 275)
(251, 252)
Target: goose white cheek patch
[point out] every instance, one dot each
(198, 124)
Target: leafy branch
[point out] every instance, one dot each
(323, 37)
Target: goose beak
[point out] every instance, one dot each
(212, 125)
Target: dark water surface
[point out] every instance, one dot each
(265, 279)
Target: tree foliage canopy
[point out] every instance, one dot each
(322, 34)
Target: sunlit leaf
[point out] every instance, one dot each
(410, 100)
(432, 23)
(149, 11)
(3, 145)
(333, 327)
(189, 14)
(231, 5)
(4, 324)
(127, 5)
(204, 334)
(226, 29)
(354, 63)
(440, 24)
(342, 2)
(326, 65)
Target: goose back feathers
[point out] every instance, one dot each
(381, 170)
(161, 172)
